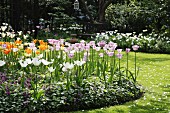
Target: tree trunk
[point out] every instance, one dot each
(103, 4)
(87, 10)
(36, 16)
(2, 5)
(15, 14)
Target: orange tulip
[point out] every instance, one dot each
(28, 51)
(41, 42)
(43, 47)
(35, 41)
(1, 43)
(6, 51)
(37, 52)
(14, 46)
(9, 46)
(18, 42)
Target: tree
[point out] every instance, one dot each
(99, 8)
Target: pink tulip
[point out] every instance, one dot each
(102, 43)
(135, 47)
(101, 54)
(119, 50)
(127, 50)
(110, 53)
(71, 55)
(119, 55)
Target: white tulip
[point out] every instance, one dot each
(3, 34)
(51, 69)
(28, 60)
(3, 28)
(23, 64)
(8, 33)
(14, 49)
(20, 33)
(2, 63)
(79, 63)
(36, 61)
(64, 69)
(45, 62)
(67, 66)
(40, 56)
(12, 35)
(25, 36)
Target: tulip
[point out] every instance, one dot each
(101, 54)
(36, 61)
(127, 50)
(23, 64)
(2, 63)
(6, 51)
(98, 48)
(12, 35)
(28, 51)
(3, 34)
(71, 55)
(102, 43)
(119, 50)
(127, 58)
(79, 63)
(119, 55)
(19, 33)
(110, 53)
(51, 69)
(45, 62)
(28, 61)
(135, 47)
(3, 28)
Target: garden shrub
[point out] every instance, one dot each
(91, 95)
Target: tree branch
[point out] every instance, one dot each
(107, 4)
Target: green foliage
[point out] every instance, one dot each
(92, 94)
(136, 16)
(127, 17)
(59, 10)
(148, 42)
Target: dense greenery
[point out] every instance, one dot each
(137, 16)
(124, 15)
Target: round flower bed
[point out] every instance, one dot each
(90, 95)
(53, 76)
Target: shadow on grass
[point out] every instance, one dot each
(158, 105)
(155, 59)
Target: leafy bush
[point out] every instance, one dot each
(139, 15)
(92, 94)
(148, 42)
(127, 17)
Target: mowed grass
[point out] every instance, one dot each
(154, 76)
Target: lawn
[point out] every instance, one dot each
(154, 76)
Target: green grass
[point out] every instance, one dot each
(154, 76)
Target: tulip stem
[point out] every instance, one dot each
(127, 65)
(135, 67)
